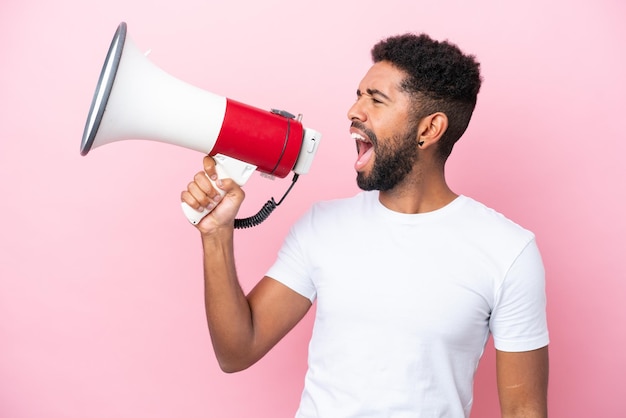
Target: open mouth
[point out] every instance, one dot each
(364, 147)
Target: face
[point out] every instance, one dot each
(385, 134)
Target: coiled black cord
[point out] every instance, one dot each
(265, 211)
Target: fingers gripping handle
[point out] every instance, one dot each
(225, 167)
(195, 216)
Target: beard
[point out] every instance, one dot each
(394, 159)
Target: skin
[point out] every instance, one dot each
(523, 383)
(244, 328)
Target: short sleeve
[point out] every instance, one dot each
(291, 267)
(518, 321)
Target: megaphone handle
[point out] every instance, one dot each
(195, 216)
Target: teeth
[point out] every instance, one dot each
(357, 137)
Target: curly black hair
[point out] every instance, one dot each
(440, 78)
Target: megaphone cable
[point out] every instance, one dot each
(265, 211)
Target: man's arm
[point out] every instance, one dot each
(243, 328)
(523, 383)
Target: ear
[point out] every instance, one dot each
(431, 128)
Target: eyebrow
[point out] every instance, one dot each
(373, 92)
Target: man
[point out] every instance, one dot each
(409, 277)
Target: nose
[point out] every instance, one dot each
(357, 112)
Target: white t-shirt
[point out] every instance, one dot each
(405, 303)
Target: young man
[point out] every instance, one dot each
(409, 277)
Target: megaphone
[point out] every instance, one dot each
(135, 99)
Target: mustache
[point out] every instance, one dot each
(361, 127)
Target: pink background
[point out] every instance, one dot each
(101, 309)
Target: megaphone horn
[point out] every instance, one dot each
(135, 99)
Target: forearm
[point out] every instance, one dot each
(534, 411)
(523, 383)
(228, 313)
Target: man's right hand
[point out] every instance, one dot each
(223, 202)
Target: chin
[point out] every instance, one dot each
(364, 182)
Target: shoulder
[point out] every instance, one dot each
(326, 218)
(480, 217)
(489, 231)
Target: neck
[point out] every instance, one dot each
(422, 191)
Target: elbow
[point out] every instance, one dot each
(230, 368)
(236, 356)
(233, 365)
